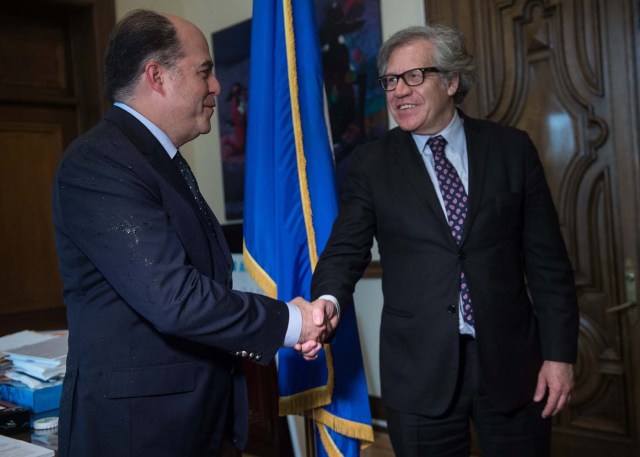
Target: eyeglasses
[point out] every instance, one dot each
(413, 77)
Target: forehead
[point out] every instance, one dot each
(194, 43)
(415, 54)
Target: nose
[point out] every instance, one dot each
(214, 85)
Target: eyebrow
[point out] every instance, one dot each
(206, 65)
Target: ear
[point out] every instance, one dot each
(154, 76)
(452, 87)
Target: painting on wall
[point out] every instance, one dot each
(350, 36)
(231, 48)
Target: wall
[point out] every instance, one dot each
(204, 153)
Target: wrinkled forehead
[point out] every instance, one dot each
(413, 54)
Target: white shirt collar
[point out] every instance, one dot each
(162, 137)
(453, 133)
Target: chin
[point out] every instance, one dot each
(205, 126)
(408, 127)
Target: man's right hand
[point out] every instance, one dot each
(319, 320)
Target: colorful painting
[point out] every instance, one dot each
(231, 48)
(350, 36)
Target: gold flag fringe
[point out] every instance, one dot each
(292, 68)
(356, 430)
(304, 402)
(258, 274)
(328, 444)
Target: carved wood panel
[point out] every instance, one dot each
(566, 71)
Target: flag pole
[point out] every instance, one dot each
(310, 437)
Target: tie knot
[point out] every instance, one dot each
(437, 144)
(180, 161)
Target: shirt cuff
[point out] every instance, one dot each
(333, 300)
(294, 329)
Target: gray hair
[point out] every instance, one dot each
(450, 53)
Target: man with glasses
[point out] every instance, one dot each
(480, 319)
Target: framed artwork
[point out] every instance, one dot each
(350, 36)
(231, 47)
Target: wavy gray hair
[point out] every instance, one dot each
(450, 53)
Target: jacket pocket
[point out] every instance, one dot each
(153, 380)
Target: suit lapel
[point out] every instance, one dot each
(406, 153)
(150, 147)
(477, 150)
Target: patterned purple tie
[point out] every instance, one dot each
(455, 202)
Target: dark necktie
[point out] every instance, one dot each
(190, 179)
(455, 202)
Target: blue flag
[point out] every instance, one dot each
(289, 207)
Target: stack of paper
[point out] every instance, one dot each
(16, 340)
(42, 356)
(43, 360)
(10, 447)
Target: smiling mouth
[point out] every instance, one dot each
(405, 106)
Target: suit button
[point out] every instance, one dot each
(258, 357)
(451, 309)
(462, 255)
(243, 353)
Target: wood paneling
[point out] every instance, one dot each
(27, 47)
(50, 92)
(29, 152)
(566, 71)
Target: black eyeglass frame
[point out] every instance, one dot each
(424, 71)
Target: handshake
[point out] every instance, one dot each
(319, 320)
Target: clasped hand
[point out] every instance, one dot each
(319, 320)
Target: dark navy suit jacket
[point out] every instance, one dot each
(512, 252)
(154, 328)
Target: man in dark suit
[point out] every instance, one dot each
(157, 336)
(480, 318)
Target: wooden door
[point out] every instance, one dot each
(566, 71)
(50, 91)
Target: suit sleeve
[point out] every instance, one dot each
(547, 266)
(114, 223)
(348, 250)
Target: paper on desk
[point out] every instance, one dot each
(23, 338)
(27, 380)
(41, 371)
(10, 447)
(52, 351)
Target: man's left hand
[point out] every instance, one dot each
(558, 378)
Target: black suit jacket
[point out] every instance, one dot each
(511, 239)
(154, 328)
